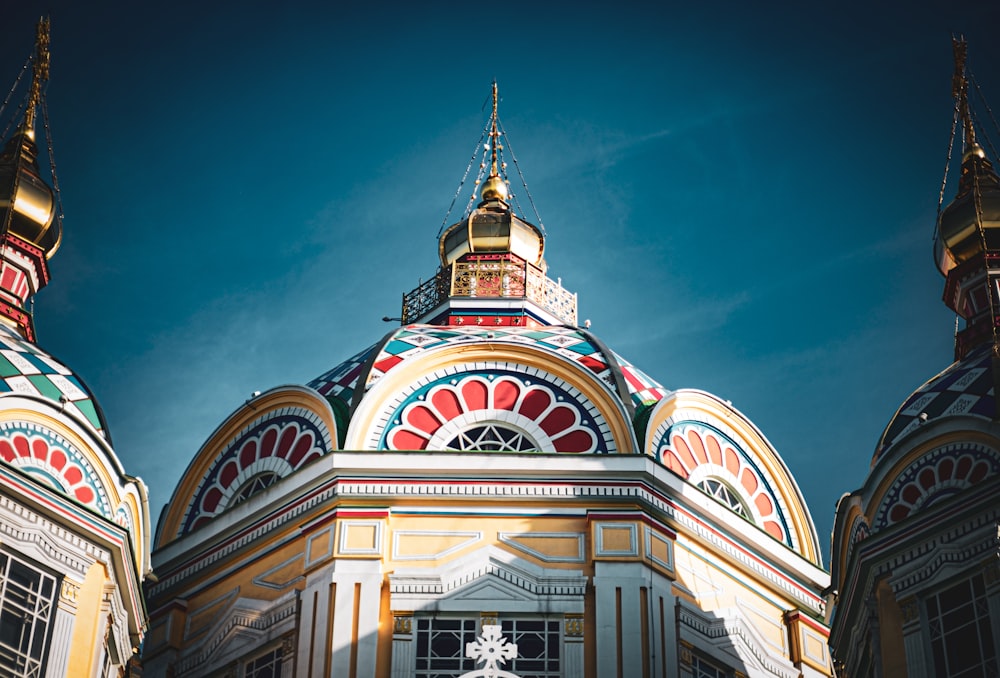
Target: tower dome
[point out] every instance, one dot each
(26, 201)
(30, 225)
(492, 227)
(970, 224)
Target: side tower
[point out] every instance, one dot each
(74, 527)
(915, 566)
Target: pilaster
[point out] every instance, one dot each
(355, 626)
(914, 642)
(633, 637)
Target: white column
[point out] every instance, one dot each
(663, 628)
(625, 582)
(312, 625)
(606, 633)
(365, 577)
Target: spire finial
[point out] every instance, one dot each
(494, 135)
(494, 188)
(39, 73)
(960, 89)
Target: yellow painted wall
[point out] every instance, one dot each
(87, 622)
(714, 588)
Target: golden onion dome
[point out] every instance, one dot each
(492, 229)
(22, 187)
(971, 223)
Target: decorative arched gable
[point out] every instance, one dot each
(482, 396)
(708, 458)
(850, 520)
(53, 460)
(714, 447)
(266, 439)
(931, 473)
(63, 451)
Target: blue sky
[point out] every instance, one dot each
(743, 198)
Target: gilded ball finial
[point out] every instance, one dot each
(975, 150)
(495, 188)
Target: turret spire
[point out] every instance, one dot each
(493, 271)
(967, 243)
(39, 74)
(493, 133)
(960, 90)
(495, 187)
(29, 230)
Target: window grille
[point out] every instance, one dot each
(27, 603)
(961, 631)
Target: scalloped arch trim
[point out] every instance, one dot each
(695, 451)
(53, 460)
(277, 443)
(935, 476)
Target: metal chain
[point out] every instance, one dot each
(13, 89)
(502, 134)
(977, 200)
(480, 175)
(52, 161)
(462, 182)
(503, 173)
(520, 174)
(986, 105)
(989, 141)
(975, 121)
(947, 164)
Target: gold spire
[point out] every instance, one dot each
(39, 74)
(493, 133)
(960, 92)
(29, 231)
(970, 224)
(27, 201)
(492, 227)
(494, 188)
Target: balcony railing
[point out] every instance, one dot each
(490, 279)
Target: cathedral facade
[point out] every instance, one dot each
(488, 489)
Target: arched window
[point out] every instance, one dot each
(493, 437)
(258, 483)
(725, 495)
